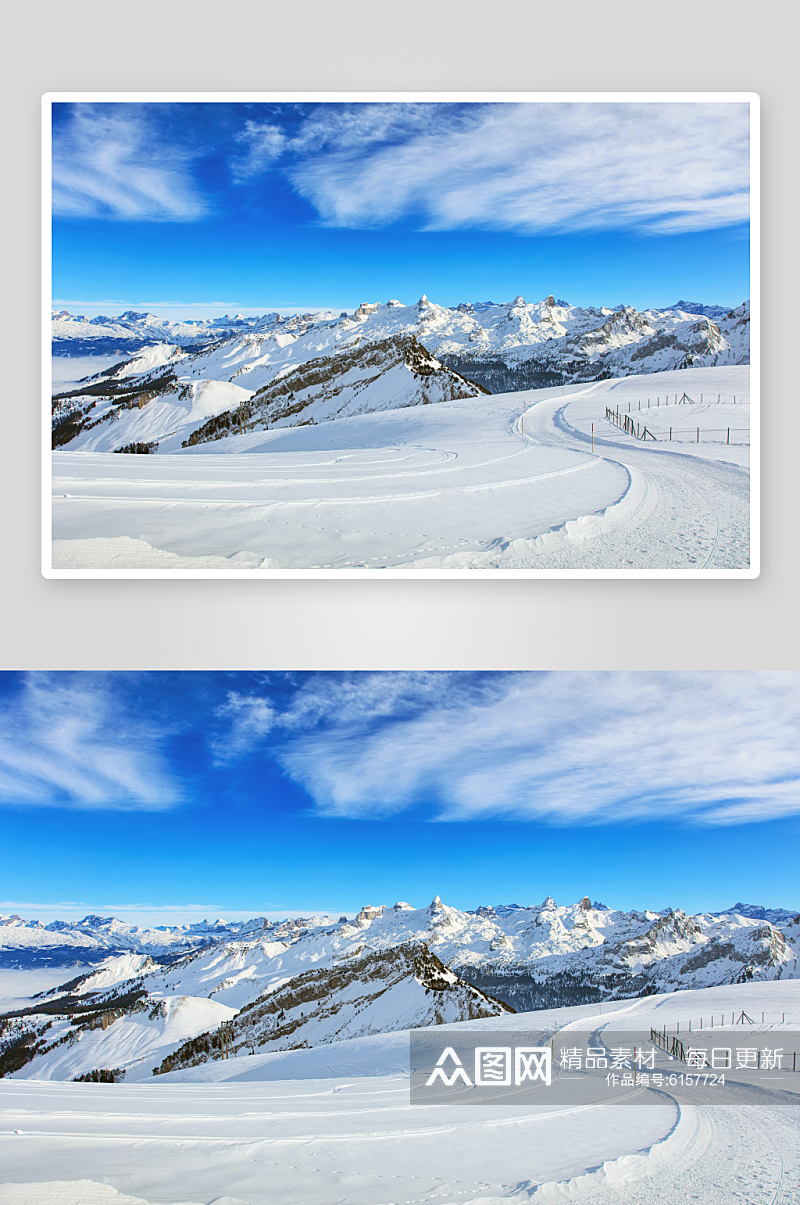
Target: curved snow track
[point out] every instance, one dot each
(724, 1156)
(680, 512)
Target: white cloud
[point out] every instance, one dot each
(338, 127)
(565, 748)
(68, 742)
(529, 168)
(248, 719)
(108, 162)
(263, 144)
(336, 699)
(362, 697)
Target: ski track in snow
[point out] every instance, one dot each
(465, 485)
(681, 512)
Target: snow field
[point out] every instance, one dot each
(334, 1124)
(507, 481)
(713, 418)
(374, 491)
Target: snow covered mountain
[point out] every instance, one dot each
(76, 335)
(776, 916)
(385, 375)
(311, 981)
(697, 307)
(402, 987)
(146, 406)
(317, 367)
(29, 943)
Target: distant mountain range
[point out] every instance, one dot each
(125, 334)
(313, 980)
(29, 943)
(254, 373)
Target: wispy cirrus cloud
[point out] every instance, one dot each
(338, 127)
(528, 168)
(110, 161)
(72, 741)
(247, 718)
(525, 168)
(562, 748)
(558, 748)
(262, 143)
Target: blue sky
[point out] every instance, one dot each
(199, 208)
(162, 795)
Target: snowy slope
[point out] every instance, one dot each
(389, 374)
(334, 1124)
(134, 1041)
(164, 419)
(140, 1024)
(169, 411)
(402, 987)
(515, 480)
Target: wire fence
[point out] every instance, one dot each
(683, 399)
(638, 430)
(686, 1049)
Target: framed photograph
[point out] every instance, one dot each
(445, 335)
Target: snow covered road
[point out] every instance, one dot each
(681, 511)
(717, 1156)
(501, 482)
